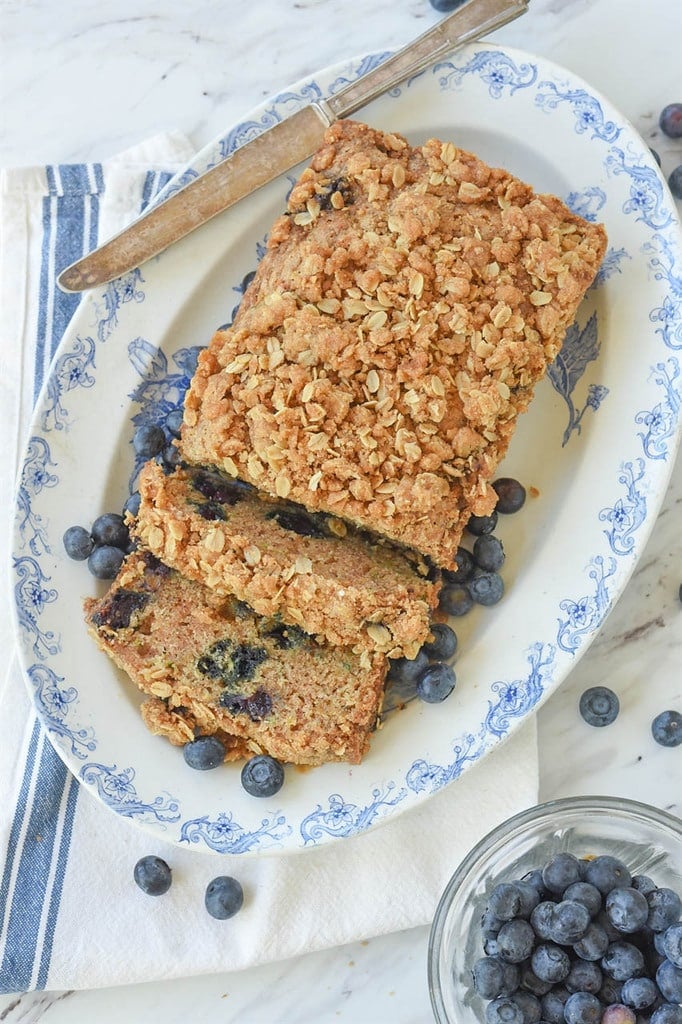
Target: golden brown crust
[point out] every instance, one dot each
(408, 302)
(210, 666)
(336, 584)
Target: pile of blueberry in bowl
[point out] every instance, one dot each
(568, 913)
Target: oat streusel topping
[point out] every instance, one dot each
(409, 300)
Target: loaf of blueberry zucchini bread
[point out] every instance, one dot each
(210, 666)
(312, 569)
(409, 300)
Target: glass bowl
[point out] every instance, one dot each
(648, 840)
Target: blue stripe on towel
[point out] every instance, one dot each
(28, 897)
(29, 909)
(70, 222)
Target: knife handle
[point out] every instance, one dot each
(471, 21)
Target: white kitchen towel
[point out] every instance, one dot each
(70, 913)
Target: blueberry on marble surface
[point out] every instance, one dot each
(78, 543)
(670, 120)
(262, 776)
(204, 753)
(599, 706)
(224, 897)
(153, 875)
(446, 5)
(675, 181)
(666, 728)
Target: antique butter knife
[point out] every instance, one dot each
(278, 149)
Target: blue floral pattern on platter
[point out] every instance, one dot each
(614, 180)
(57, 703)
(225, 835)
(115, 788)
(587, 109)
(580, 347)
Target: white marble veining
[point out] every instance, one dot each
(82, 80)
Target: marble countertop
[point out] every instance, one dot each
(82, 81)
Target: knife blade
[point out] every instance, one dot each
(278, 149)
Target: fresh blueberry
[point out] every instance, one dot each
(610, 991)
(109, 529)
(599, 706)
(486, 588)
(552, 1005)
(515, 941)
(148, 440)
(455, 599)
(666, 728)
(488, 553)
(606, 873)
(446, 5)
(675, 181)
(444, 643)
(511, 495)
(627, 909)
(588, 895)
(668, 1013)
(152, 875)
(560, 872)
(582, 1008)
(502, 1010)
(541, 920)
(105, 561)
(639, 993)
(569, 923)
(406, 671)
(224, 897)
(550, 962)
(643, 884)
(619, 1014)
(670, 120)
(622, 960)
(479, 525)
(488, 975)
(173, 422)
(262, 775)
(584, 976)
(436, 683)
(530, 897)
(665, 909)
(132, 505)
(593, 944)
(204, 752)
(529, 1006)
(464, 562)
(78, 543)
(504, 901)
(531, 983)
(672, 944)
(669, 981)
